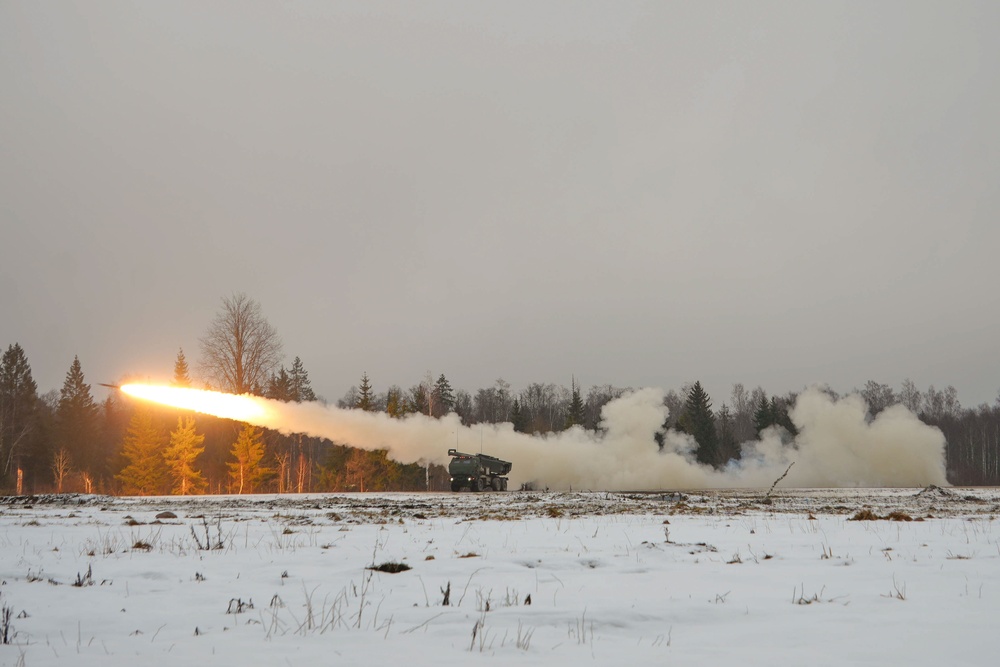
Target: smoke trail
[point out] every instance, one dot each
(837, 446)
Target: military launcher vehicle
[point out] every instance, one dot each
(477, 471)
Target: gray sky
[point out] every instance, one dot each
(634, 193)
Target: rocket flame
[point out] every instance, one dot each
(228, 406)
(838, 444)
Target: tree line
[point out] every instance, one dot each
(65, 441)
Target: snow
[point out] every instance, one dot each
(691, 578)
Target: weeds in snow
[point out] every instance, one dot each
(799, 596)
(209, 544)
(84, 580)
(7, 632)
(578, 630)
(896, 592)
(238, 606)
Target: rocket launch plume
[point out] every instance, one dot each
(837, 445)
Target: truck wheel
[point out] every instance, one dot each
(477, 485)
(503, 485)
(496, 484)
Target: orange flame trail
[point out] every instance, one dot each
(229, 406)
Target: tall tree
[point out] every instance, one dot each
(279, 387)
(878, 397)
(77, 427)
(763, 416)
(18, 408)
(910, 396)
(366, 400)
(699, 422)
(61, 467)
(419, 399)
(182, 376)
(728, 445)
(743, 406)
(463, 406)
(443, 397)
(575, 413)
(181, 458)
(395, 402)
(248, 470)
(240, 348)
(145, 471)
(301, 389)
(518, 417)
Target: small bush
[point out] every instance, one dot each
(865, 515)
(391, 567)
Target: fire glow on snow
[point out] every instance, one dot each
(838, 445)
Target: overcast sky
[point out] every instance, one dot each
(632, 193)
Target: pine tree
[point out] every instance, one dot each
(366, 400)
(247, 471)
(575, 415)
(279, 387)
(145, 472)
(181, 457)
(779, 413)
(518, 417)
(443, 397)
(182, 378)
(763, 416)
(395, 403)
(77, 422)
(18, 408)
(418, 400)
(699, 422)
(301, 390)
(727, 434)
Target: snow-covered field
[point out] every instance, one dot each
(700, 578)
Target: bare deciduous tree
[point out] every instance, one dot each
(240, 349)
(60, 468)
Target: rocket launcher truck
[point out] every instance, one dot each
(477, 471)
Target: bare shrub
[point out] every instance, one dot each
(390, 567)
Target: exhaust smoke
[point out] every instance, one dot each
(837, 445)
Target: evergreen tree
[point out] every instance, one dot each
(395, 402)
(419, 400)
(366, 400)
(18, 409)
(247, 471)
(279, 387)
(301, 390)
(699, 422)
(518, 417)
(182, 378)
(181, 456)
(575, 415)
(443, 397)
(145, 472)
(77, 422)
(763, 417)
(779, 413)
(728, 447)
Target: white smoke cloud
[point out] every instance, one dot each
(837, 446)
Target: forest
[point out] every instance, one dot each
(66, 441)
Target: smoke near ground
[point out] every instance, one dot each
(838, 446)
